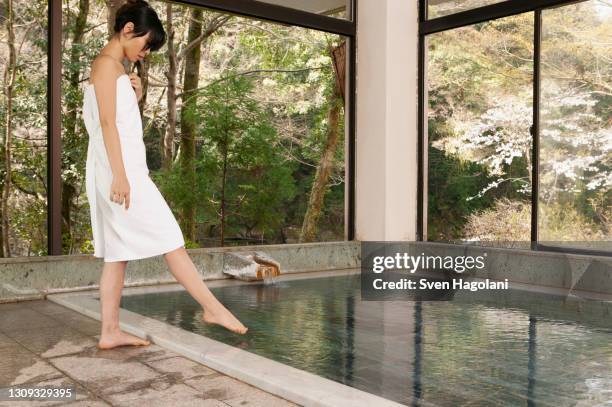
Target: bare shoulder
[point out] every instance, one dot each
(105, 70)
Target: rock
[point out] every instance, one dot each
(250, 266)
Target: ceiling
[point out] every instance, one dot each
(313, 6)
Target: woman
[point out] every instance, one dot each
(130, 218)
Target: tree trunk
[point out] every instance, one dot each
(188, 124)
(223, 183)
(143, 73)
(324, 169)
(112, 6)
(9, 80)
(168, 138)
(69, 190)
(190, 55)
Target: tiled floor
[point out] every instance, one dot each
(42, 343)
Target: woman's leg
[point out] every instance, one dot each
(185, 272)
(111, 284)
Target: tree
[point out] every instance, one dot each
(242, 182)
(189, 98)
(8, 83)
(325, 165)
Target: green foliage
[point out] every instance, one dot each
(508, 220)
(451, 180)
(235, 133)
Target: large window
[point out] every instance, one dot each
(494, 88)
(249, 130)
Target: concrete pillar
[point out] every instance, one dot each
(386, 114)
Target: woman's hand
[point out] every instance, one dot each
(120, 191)
(135, 79)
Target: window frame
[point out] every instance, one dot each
(465, 18)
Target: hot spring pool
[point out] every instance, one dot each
(517, 348)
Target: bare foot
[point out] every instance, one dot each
(225, 319)
(120, 338)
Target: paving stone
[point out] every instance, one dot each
(84, 324)
(46, 307)
(87, 403)
(106, 375)
(121, 353)
(176, 395)
(6, 306)
(221, 387)
(259, 399)
(52, 341)
(181, 367)
(155, 352)
(143, 353)
(20, 366)
(22, 318)
(7, 342)
(212, 403)
(109, 354)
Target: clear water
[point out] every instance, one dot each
(512, 349)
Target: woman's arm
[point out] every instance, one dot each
(105, 85)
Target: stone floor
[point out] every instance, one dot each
(42, 343)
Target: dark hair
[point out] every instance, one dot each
(145, 20)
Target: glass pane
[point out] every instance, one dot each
(249, 147)
(23, 125)
(332, 8)
(439, 8)
(575, 203)
(479, 113)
